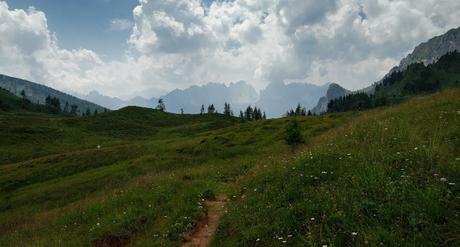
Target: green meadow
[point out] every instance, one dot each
(384, 177)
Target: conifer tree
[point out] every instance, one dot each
(211, 109)
(202, 109)
(227, 109)
(66, 107)
(161, 105)
(292, 134)
(73, 110)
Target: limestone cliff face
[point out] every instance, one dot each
(430, 51)
(334, 91)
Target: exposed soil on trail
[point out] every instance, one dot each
(203, 232)
(112, 241)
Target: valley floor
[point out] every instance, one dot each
(136, 177)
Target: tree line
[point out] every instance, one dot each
(299, 111)
(250, 114)
(417, 78)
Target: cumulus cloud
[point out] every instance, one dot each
(177, 43)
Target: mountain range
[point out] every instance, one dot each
(275, 99)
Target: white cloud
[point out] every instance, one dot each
(120, 24)
(178, 43)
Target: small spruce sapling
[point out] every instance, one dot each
(292, 134)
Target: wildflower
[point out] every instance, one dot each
(354, 233)
(451, 184)
(443, 179)
(257, 240)
(312, 219)
(436, 175)
(98, 224)
(416, 148)
(284, 241)
(323, 172)
(98, 146)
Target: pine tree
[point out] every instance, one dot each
(202, 109)
(303, 112)
(53, 104)
(66, 107)
(73, 110)
(227, 109)
(88, 112)
(249, 113)
(292, 134)
(211, 109)
(181, 111)
(161, 105)
(298, 110)
(23, 94)
(242, 118)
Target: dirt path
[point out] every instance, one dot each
(203, 232)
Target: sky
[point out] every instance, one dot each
(126, 48)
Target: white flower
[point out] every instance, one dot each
(312, 219)
(257, 240)
(443, 179)
(416, 148)
(451, 184)
(354, 233)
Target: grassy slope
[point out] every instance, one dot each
(378, 180)
(11, 103)
(145, 184)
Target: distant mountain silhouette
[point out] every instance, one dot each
(37, 94)
(239, 95)
(117, 103)
(278, 98)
